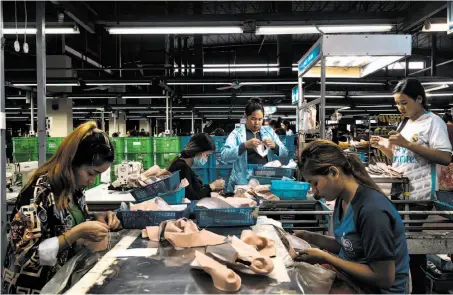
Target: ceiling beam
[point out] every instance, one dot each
(422, 11)
(77, 15)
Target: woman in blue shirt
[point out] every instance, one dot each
(369, 242)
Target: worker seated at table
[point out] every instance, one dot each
(251, 144)
(50, 212)
(369, 242)
(196, 152)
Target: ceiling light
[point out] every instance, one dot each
(175, 30)
(353, 83)
(262, 95)
(47, 84)
(118, 83)
(439, 94)
(413, 65)
(372, 96)
(197, 83)
(206, 96)
(374, 106)
(285, 30)
(436, 88)
(327, 96)
(16, 97)
(144, 97)
(238, 65)
(49, 31)
(228, 70)
(439, 27)
(270, 83)
(438, 83)
(355, 28)
(12, 109)
(91, 97)
(219, 107)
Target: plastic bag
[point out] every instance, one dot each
(317, 278)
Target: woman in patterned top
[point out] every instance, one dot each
(50, 212)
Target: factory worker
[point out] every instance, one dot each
(420, 142)
(251, 144)
(196, 152)
(50, 213)
(369, 242)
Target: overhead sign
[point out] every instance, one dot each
(309, 58)
(295, 95)
(450, 16)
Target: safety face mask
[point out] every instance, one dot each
(262, 150)
(201, 161)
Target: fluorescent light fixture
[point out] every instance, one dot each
(292, 30)
(47, 84)
(197, 83)
(286, 107)
(225, 110)
(439, 94)
(264, 95)
(374, 106)
(372, 96)
(219, 107)
(118, 83)
(436, 88)
(16, 97)
(238, 65)
(270, 83)
(438, 83)
(318, 95)
(355, 28)
(90, 97)
(285, 30)
(143, 97)
(206, 96)
(439, 27)
(353, 83)
(7, 109)
(413, 65)
(175, 30)
(229, 70)
(50, 31)
(163, 108)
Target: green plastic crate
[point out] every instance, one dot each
(118, 145)
(167, 144)
(25, 145)
(142, 145)
(146, 159)
(163, 160)
(25, 157)
(53, 143)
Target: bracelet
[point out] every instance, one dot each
(66, 240)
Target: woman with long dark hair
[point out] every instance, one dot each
(50, 213)
(369, 242)
(196, 152)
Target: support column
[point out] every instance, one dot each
(322, 105)
(59, 112)
(3, 203)
(41, 78)
(284, 45)
(32, 113)
(433, 54)
(117, 123)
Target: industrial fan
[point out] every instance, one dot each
(236, 85)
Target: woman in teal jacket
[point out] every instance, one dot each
(245, 145)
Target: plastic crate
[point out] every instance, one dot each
(226, 217)
(160, 187)
(290, 190)
(142, 219)
(25, 157)
(265, 180)
(147, 160)
(163, 160)
(259, 170)
(167, 144)
(441, 206)
(53, 143)
(118, 145)
(25, 145)
(203, 174)
(142, 145)
(288, 141)
(445, 197)
(174, 198)
(222, 173)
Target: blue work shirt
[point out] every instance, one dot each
(372, 230)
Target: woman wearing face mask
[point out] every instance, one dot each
(50, 213)
(369, 242)
(251, 144)
(196, 152)
(419, 144)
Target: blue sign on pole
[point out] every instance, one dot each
(308, 60)
(295, 95)
(450, 16)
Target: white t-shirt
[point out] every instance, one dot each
(429, 131)
(289, 132)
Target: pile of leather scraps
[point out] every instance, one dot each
(383, 170)
(156, 204)
(254, 189)
(135, 179)
(182, 233)
(219, 202)
(250, 255)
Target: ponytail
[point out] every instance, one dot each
(318, 156)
